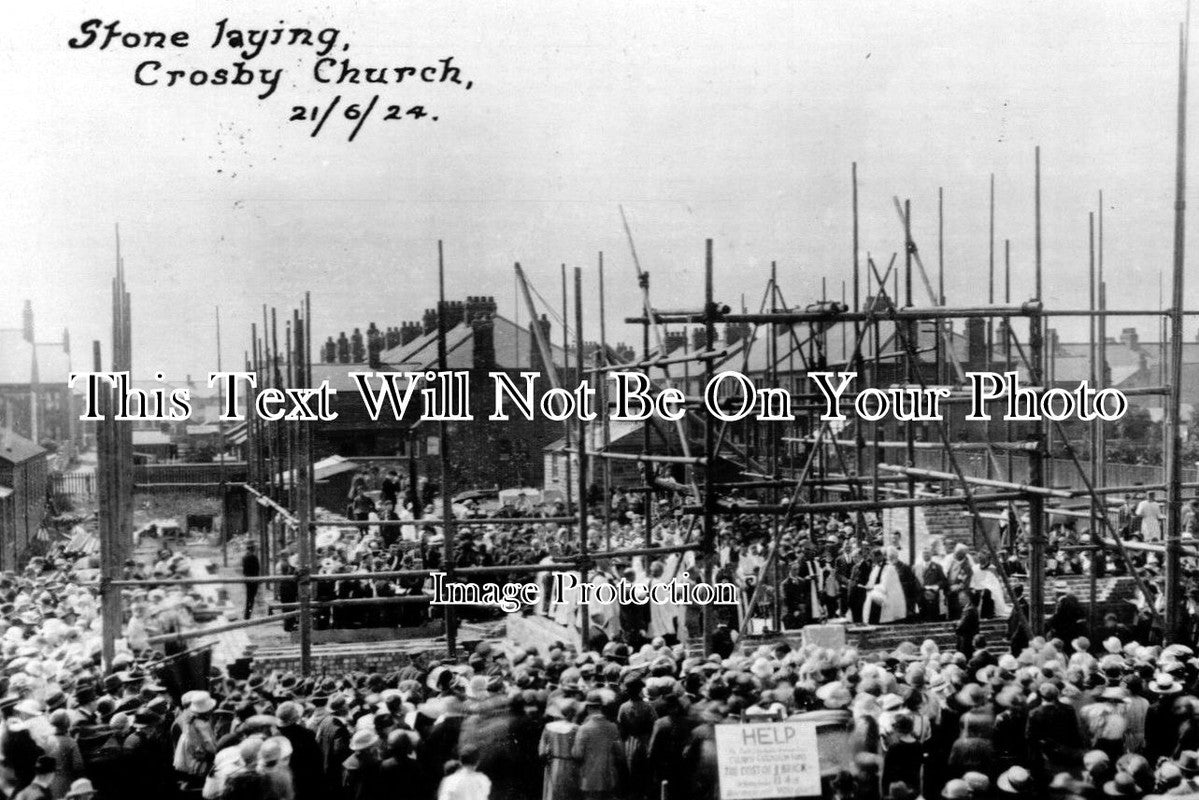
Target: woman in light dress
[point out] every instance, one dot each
(561, 770)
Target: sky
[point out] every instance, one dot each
(727, 121)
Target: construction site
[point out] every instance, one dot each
(948, 480)
(330, 486)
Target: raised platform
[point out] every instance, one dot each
(359, 635)
(367, 649)
(887, 637)
(339, 658)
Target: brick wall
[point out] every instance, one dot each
(336, 664)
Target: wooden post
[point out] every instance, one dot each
(859, 431)
(280, 495)
(772, 355)
(1007, 342)
(302, 483)
(606, 414)
(447, 511)
(584, 567)
(1036, 459)
(1096, 508)
(220, 427)
(707, 552)
(646, 441)
(110, 597)
(1173, 427)
(258, 427)
(986, 365)
(1102, 336)
(566, 429)
(909, 434)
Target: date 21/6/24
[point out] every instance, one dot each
(355, 113)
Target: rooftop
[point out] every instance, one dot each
(17, 449)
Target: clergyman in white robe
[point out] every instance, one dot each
(885, 592)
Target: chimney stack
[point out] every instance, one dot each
(455, 314)
(534, 351)
(429, 321)
(329, 351)
(976, 343)
(1128, 336)
(674, 340)
(480, 315)
(410, 331)
(481, 305)
(374, 346)
(735, 332)
(343, 349)
(357, 347)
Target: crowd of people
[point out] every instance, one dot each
(630, 713)
(834, 567)
(1076, 717)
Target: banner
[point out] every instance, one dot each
(767, 760)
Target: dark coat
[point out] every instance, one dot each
(934, 575)
(333, 739)
(1053, 733)
(363, 779)
(904, 762)
(972, 755)
(967, 629)
(20, 753)
(148, 756)
(598, 751)
(911, 586)
(306, 761)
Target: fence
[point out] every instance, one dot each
(83, 485)
(193, 473)
(78, 485)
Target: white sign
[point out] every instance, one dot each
(767, 760)
(830, 636)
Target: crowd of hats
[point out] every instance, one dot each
(51, 676)
(777, 681)
(52, 679)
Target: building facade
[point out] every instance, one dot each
(23, 487)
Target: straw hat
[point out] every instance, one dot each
(81, 789)
(1016, 780)
(200, 702)
(364, 740)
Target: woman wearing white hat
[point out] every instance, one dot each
(196, 748)
(81, 789)
(274, 762)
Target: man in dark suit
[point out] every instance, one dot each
(793, 593)
(967, 627)
(811, 577)
(911, 587)
(858, 577)
(333, 739)
(1017, 624)
(843, 566)
(598, 752)
(306, 755)
(934, 585)
(250, 568)
(1054, 738)
(959, 574)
